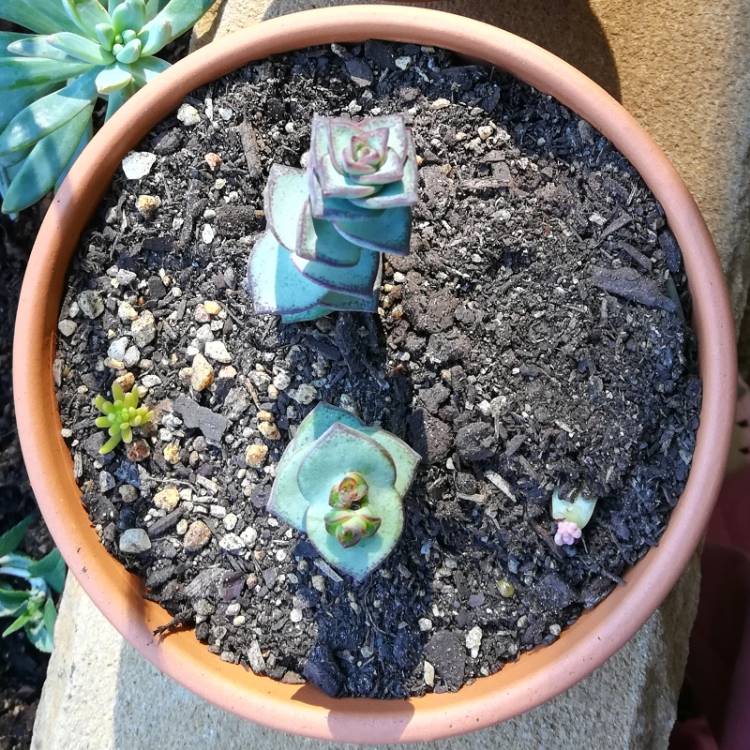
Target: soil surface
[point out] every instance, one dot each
(534, 338)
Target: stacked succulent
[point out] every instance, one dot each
(329, 224)
(50, 81)
(343, 483)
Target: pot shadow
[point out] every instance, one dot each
(568, 28)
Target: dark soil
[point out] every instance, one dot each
(534, 338)
(22, 667)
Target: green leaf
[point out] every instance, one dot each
(80, 48)
(179, 15)
(50, 615)
(113, 78)
(6, 38)
(14, 536)
(147, 68)
(85, 14)
(47, 114)
(114, 101)
(40, 633)
(37, 46)
(44, 164)
(25, 617)
(51, 568)
(154, 6)
(11, 601)
(41, 16)
(129, 14)
(85, 138)
(30, 71)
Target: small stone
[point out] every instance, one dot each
(439, 103)
(118, 348)
(269, 431)
(197, 536)
(425, 624)
(213, 160)
(126, 381)
(255, 658)
(295, 615)
(318, 583)
(132, 356)
(429, 674)
(138, 451)
(167, 499)
(208, 234)
(211, 424)
(188, 115)
(232, 543)
(233, 609)
(485, 131)
(134, 542)
(67, 327)
(305, 394)
(148, 205)
(506, 588)
(264, 416)
(212, 307)
(128, 493)
(217, 351)
(474, 641)
(217, 511)
(143, 329)
(172, 453)
(230, 521)
(126, 312)
(138, 164)
(249, 536)
(202, 375)
(555, 629)
(282, 381)
(182, 527)
(402, 63)
(106, 481)
(90, 303)
(476, 442)
(255, 455)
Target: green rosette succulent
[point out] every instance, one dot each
(343, 483)
(329, 224)
(120, 416)
(50, 80)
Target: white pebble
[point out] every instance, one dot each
(138, 164)
(188, 115)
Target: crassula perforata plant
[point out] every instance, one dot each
(120, 416)
(329, 224)
(50, 80)
(343, 483)
(571, 516)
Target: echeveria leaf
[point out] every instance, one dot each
(85, 14)
(10, 539)
(360, 560)
(577, 511)
(11, 601)
(40, 16)
(80, 48)
(357, 280)
(39, 634)
(49, 616)
(47, 114)
(113, 78)
(146, 69)
(47, 159)
(116, 99)
(51, 568)
(331, 303)
(340, 450)
(30, 71)
(25, 616)
(38, 46)
(7, 38)
(130, 52)
(129, 14)
(318, 240)
(386, 232)
(172, 21)
(85, 138)
(275, 283)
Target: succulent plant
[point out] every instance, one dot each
(31, 607)
(343, 483)
(120, 416)
(329, 224)
(571, 517)
(50, 80)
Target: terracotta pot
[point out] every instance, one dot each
(537, 676)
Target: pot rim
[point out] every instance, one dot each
(537, 676)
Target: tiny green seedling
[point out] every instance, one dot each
(571, 516)
(50, 80)
(328, 225)
(32, 608)
(343, 483)
(120, 416)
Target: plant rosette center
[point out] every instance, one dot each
(354, 520)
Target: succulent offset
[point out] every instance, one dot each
(50, 80)
(571, 517)
(120, 416)
(343, 483)
(329, 224)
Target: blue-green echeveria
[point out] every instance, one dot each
(329, 224)
(50, 80)
(343, 484)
